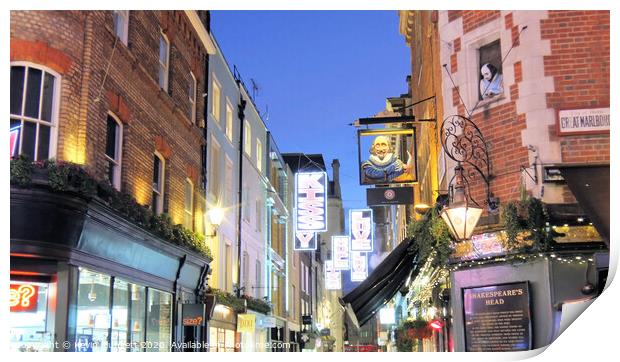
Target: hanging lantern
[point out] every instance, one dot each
(459, 215)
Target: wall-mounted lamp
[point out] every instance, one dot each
(216, 215)
(463, 142)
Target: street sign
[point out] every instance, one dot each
(306, 319)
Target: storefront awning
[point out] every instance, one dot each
(383, 283)
(590, 185)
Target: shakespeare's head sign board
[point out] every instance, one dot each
(387, 156)
(340, 252)
(311, 202)
(361, 230)
(359, 266)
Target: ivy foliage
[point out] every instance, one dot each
(431, 234)
(526, 227)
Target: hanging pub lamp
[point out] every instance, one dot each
(460, 216)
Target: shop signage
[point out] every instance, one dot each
(269, 322)
(14, 138)
(389, 196)
(246, 323)
(361, 230)
(340, 252)
(325, 332)
(23, 297)
(387, 156)
(332, 276)
(497, 318)
(193, 315)
(359, 266)
(583, 121)
(306, 319)
(311, 201)
(304, 241)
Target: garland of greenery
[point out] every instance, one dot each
(431, 234)
(65, 176)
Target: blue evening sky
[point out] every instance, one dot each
(318, 71)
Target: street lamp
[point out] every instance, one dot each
(463, 142)
(216, 215)
(459, 215)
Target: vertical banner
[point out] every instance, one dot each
(310, 202)
(304, 241)
(332, 277)
(361, 230)
(359, 266)
(340, 252)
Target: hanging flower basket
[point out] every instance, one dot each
(409, 332)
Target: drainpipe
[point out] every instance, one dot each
(241, 115)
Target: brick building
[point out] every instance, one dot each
(118, 93)
(536, 85)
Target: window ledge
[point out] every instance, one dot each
(487, 103)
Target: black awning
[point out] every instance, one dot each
(590, 185)
(383, 283)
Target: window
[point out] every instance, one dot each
(229, 121)
(303, 277)
(246, 202)
(29, 326)
(192, 98)
(121, 24)
(247, 139)
(228, 183)
(294, 302)
(93, 311)
(259, 216)
(113, 151)
(164, 58)
(246, 272)
(120, 307)
(216, 101)
(188, 205)
(33, 111)
(158, 184)
(228, 267)
(259, 155)
(258, 282)
(214, 169)
(159, 321)
(490, 71)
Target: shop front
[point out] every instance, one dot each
(85, 279)
(223, 336)
(255, 334)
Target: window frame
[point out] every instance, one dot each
(192, 97)
(259, 155)
(216, 105)
(188, 212)
(229, 120)
(166, 66)
(214, 188)
(53, 123)
(116, 182)
(162, 181)
(124, 15)
(247, 139)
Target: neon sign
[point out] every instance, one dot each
(332, 276)
(23, 297)
(311, 202)
(361, 230)
(359, 266)
(340, 252)
(14, 138)
(304, 241)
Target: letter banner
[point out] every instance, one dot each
(304, 241)
(310, 213)
(332, 277)
(361, 228)
(359, 266)
(340, 252)
(246, 323)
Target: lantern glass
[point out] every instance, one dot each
(461, 220)
(216, 215)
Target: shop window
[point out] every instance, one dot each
(34, 94)
(159, 321)
(137, 317)
(93, 312)
(490, 71)
(158, 184)
(113, 150)
(28, 317)
(120, 316)
(121, 24)
(164, 59)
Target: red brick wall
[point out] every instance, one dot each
(130, 90)
(476, 18)
(579, 64)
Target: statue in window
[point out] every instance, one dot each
(492, 82)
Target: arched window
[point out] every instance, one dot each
(159, 164)
(34, 110)
(114, 150)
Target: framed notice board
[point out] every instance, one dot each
(497, 318)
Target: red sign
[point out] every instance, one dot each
(14, 138)
(361, 348)
(23, 297)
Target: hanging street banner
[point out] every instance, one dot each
(333, 278)
(340, 252)
(304, 241)
(310, 213)
(361, 230)
(359, 266)
(389, 196)
(246, 323)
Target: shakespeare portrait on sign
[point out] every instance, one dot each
(384, 166)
